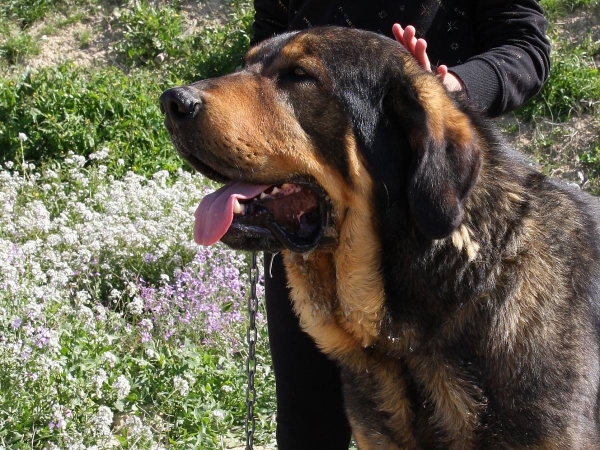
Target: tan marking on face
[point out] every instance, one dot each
(245, 126)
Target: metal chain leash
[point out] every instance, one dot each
(252, 337)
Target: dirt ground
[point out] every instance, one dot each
(64, 45)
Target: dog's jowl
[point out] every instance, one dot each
(457, 287)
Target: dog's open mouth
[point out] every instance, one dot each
(263, 217)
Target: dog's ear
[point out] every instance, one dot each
(446, 157)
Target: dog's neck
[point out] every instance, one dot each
(340, 295)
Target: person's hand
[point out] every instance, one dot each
(418, 48)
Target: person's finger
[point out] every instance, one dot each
(398, 32)
(421, 54)
(409, 38)
(442, 71)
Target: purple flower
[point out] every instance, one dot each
(16, 323)
(42, 337)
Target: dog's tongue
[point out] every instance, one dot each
(215, 213)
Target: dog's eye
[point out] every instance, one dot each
(300, 72)
(297, 76)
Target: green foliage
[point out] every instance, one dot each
(17, 46)
(556, 8)
(591, 160)
(68, 108)
(573, 86)
(25, 12)
(150, 31)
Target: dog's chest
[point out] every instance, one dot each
(390, 399)
(418, 402)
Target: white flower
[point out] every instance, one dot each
(181, 385)
(109, 358)
(146, 324)
(103, 421)
(121, 386)
(99, 379)
(22, 137)
(134, 426)
(218, 414)
(58, 418)
(100, 313)
(136, 306)
(100, 155)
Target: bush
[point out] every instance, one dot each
(211, 51)
(17, 46)
(68, 108)
(25, 12)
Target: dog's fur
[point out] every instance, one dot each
(457, 287)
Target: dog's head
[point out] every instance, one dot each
(314, 122)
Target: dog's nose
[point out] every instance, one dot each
(180, 104)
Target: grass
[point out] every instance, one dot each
(17, 46)
(572, 91)
(574, 84)
(554, 9)
(115, 329)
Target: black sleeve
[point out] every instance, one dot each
(270, 18)
(513, 61)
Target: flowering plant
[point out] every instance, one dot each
(115, 328)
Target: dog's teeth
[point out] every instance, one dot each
(286, 186)
(263, 195)
(275, 190)
(237, 207)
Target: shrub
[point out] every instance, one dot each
(17, 46)
(211, 51)
(68, 108)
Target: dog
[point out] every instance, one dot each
(457, 287)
